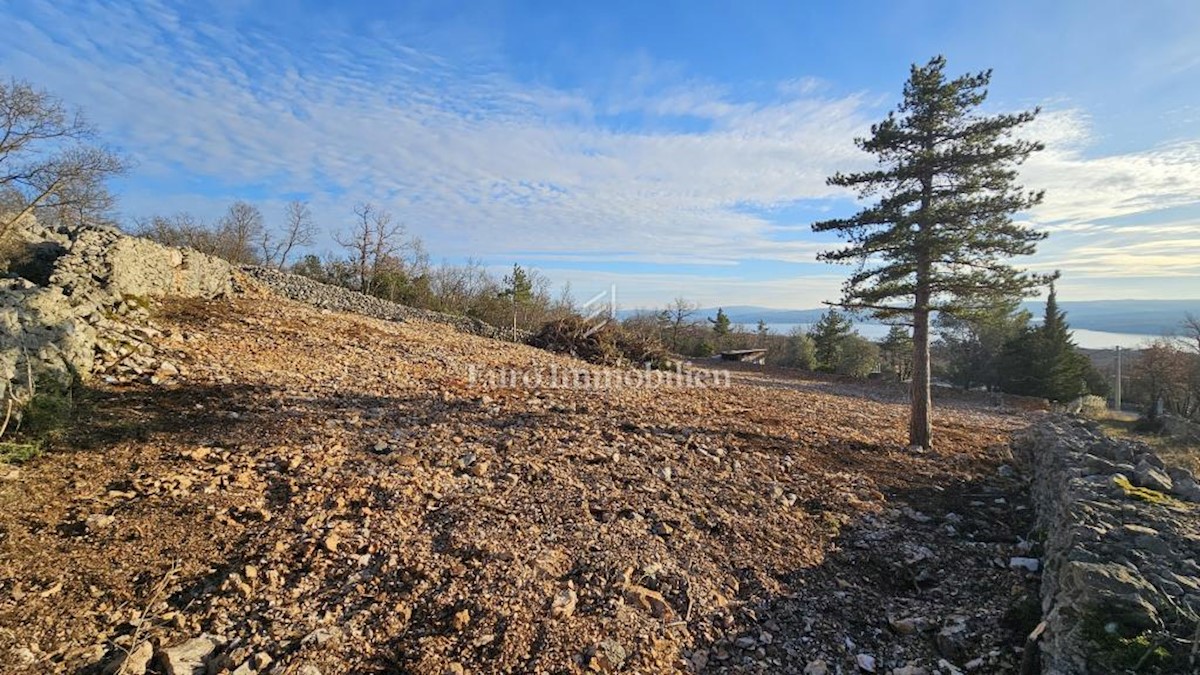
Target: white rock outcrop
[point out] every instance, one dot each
(72, 294)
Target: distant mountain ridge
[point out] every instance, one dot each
(1151, 317)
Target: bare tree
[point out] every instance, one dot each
(679, 311)
(1165, 372)
(1191, 332)
(238, 231)
(47, 160)
(374, 242)
(298, 230)
(179, 230)
(564, 304)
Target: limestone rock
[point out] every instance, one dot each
(1150, 476)
(1113, 592)
(133, 662)
(563, 605)
(461, 620)
(952, 639)
(816, 667)
(1027, 564)
(651, 601)
(607, 657)
(188, 658)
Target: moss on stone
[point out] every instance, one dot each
(1115, 651)
(1140, 493)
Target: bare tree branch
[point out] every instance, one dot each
(47, 160)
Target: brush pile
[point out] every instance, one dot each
(607, 345)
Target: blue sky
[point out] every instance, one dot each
(672, 148)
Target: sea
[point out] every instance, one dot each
(1088, 339)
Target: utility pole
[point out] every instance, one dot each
(1117, 390)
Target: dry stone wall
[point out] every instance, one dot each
(338, 299)
(1121, 582)
(78, 304)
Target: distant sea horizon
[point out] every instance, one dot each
(1087, 339)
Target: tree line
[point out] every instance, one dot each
(1164, 375)
(1000, 350)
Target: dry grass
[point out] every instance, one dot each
(1171, 450)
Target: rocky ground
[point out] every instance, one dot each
(295, 491)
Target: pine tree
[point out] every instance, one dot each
(1063, 371)
(721, 326)
(518, 288)
(1043, 361)
(937, 238)
(972, 347)
(828, 336)
(762, 331)
(896, 350)
(518, 285)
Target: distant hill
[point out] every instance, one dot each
(1152, 317)
(749, 314)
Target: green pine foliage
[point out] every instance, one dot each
(896, 353)
(971, 347)
(517, 286)
(829, 336)
(721, 325)
(1043, 361)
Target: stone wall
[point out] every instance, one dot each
(338, 299)
(78, 295)
(1121, 583)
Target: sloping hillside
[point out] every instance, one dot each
(318, 492)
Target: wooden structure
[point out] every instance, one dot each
(758, 356)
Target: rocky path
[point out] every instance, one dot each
(308, 492)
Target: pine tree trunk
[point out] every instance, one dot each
(919, 428)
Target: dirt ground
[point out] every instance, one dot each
(340, 494)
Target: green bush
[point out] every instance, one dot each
(856, 357)
(41, 421)
(48, 413)
(19, 453)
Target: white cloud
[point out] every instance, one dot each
(1162, 258)
(1081, 189)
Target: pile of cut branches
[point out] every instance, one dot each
(608, 345)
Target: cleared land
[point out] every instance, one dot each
(334, 492)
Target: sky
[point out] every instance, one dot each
(675, 149)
